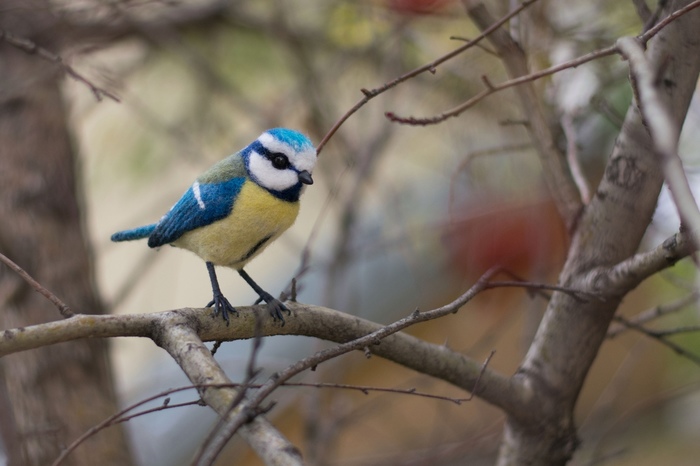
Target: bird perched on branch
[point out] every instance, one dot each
(237, 208)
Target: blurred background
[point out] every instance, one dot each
(400, 217)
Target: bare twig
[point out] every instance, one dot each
(661, 337)
(456, 111)
(478, 379)
(62, 307)
(656, 312)
(595, 55)
(674, 331)
(430, 67)
(114, 419)
(124, 416)
(32, 48)
(629, 273)
(578, 295)
(648, 34)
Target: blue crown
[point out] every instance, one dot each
(294, 139)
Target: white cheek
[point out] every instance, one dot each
(268, 176)
(305, 160)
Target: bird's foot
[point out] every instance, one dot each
(222, 306)
(275, 306)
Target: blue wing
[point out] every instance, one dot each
(202, 204)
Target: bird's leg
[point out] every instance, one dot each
(220, 303)
(274, 305)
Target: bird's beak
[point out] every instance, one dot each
(305, 177)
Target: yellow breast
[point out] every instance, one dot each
(257, 219)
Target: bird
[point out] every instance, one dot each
(235, 209)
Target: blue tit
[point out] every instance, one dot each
(237, 208)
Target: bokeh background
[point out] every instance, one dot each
(400, 217)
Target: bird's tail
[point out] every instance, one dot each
(135, 233)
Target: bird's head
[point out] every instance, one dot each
(281, 160)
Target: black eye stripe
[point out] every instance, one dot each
(271, 156)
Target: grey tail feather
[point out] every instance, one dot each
(135, 233)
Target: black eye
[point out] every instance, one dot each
(279, 161)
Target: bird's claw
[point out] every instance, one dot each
(222, 306)
(275, 307)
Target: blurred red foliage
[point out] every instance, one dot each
(523, 237)
(417, 7)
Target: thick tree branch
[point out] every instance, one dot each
(665, 130)
(182, 331)
(514, 401)
(314, 321)
(176, 333)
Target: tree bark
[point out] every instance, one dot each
(609, 232)
(49, 396)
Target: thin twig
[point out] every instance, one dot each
(113, 419)
(38, 287)
(644, 38)
(604, 52)
(430, 67)
(478, 379)
(578, 295)
(32, 48)
(456, 111)
(656, 312)
(122, 416)
(520, 282)
(678, 349)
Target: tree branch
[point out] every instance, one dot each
(314, 321)
(178, 336)
(629, 273)
(665, 131)
(182, 332)
(511, 400)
